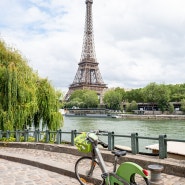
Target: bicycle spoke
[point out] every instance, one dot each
(88, 172)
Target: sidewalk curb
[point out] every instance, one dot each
(37, 164)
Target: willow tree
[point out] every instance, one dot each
(21, 94)
(48, 106)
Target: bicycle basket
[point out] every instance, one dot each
(82, 144)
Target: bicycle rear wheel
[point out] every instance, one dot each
(137, 179)
(88, 171)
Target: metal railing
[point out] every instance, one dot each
(57, 137)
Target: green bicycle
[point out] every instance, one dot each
(93, 170)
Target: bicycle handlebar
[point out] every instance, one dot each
(103, 131)
(103, 144)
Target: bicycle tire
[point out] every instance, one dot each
(88, 172)
(137, 179)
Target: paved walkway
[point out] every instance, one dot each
(12, 173)
(43, 166)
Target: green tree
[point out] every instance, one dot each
(77, 94)
(84, 99)
(21, 95)
(90, 99)
(127, 107)
(182, 105)
(177, 92)
(164, 97)
(171, 108)
(48, 106)
(121, 91)
(134, 95)
(150, 93)
(154, 93)
(133, 105)
(112, 99)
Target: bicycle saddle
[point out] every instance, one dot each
(119, 153)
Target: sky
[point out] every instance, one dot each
(136, 41)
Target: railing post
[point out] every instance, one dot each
(162, 147)
(7, 134)
(37, 135)
(113, 140)
(1, 135)
(61, 135)
(25, 135)
(134, 143)
(110, 141)
(73, 135)
(58, 136)
(17, 135)
(47, 136)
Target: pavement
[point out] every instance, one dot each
(28, 166)
(13, 173)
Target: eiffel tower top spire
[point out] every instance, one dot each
(88, 50)
(88, 75)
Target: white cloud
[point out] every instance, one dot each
(136, 42)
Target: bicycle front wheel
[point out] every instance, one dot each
(88, 171)
(137, 179)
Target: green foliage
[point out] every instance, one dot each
(177, 92)
(134, 95)
(10, 139)
(128, 107)
(24, 97)
(121, 91)
(112, 99)
(150, 93)
(131, 106)
(90, 99)
(183, 105)
(48, 106)
(83, 99)
(170, 108)
(159, 94)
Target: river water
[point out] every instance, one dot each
(174, 129)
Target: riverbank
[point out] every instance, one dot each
(105, 113)
(152, 117)
(131, 116)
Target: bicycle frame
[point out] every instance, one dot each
(122, 175)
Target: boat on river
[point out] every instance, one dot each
(88, 115)
(89, 112)
(117, 116)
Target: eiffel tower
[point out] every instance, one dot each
(88, 75)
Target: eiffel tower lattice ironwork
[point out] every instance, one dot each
(88, 75)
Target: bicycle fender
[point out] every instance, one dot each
(125, 170)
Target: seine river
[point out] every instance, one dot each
(174, 129)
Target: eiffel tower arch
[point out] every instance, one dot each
(88, 75)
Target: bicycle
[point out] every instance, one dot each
(93, 170)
